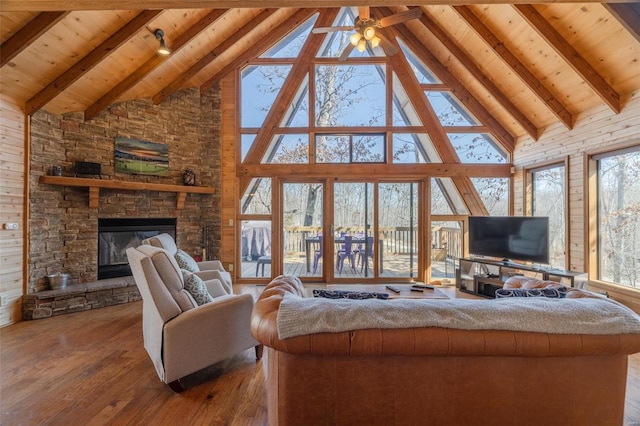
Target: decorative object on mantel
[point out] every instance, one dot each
(189, 177)
(138, 157)
(86, 168)
(55, 171)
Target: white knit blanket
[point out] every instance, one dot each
(299, 316)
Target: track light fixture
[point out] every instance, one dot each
(162, 49)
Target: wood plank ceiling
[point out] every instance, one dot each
(528, 65)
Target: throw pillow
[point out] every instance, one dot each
(341, 294)
(554, 293)
(186, 262)
(196, 287)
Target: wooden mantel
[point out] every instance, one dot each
(94, 186)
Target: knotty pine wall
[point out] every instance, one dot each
(12, 209)
(598, 130)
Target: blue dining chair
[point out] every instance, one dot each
(366, 254)
(317, 254)
(346, 253)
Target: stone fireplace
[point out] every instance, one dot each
(115, 236)
(65, 229)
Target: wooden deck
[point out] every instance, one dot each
(394, 266)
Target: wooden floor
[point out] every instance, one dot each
(90, 368)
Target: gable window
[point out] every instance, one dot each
(618, 196)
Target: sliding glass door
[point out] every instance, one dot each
(398, 229)
(302, 218)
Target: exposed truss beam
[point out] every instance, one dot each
(132, 79)
(409, 171)
(462, 94)
(479, 75)
(85, 64)
(438, 136)
(42, 5)
(261, 46)
(628, 15)
(24, 37)
(518, 67)
(570, 55)
(177, 84)
(285, 96)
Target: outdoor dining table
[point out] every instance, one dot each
(340, 240)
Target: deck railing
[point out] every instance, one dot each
(397, 240)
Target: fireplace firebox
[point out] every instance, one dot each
(116, 235)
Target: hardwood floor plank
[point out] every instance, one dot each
(91, 368)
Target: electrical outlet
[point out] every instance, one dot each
(4, 300)
(230, 266)
(10, 225)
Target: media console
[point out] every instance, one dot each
(484, 276)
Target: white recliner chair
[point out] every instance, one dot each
(208, 269)
(180, 336)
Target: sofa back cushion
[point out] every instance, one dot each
(170, 276)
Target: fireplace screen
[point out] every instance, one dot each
(115, 236)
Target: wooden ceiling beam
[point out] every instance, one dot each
(290, 87)
(570, 55)
(502, 136)
(287, 93)
(408, 171)
(132, 79)
(26, 35)
(177, 84)
(466, 61)
(628, 15)
(260, 47)
(87, 63)
(422, 107)
(518, 67)
(42, 5)
(427, 115)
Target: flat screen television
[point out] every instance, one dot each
(512, 238)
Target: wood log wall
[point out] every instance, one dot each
(596, 131)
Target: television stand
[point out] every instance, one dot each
(483, 277)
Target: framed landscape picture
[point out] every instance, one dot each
(141, 157)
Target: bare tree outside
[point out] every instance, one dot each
(549, 200)
(618, 214)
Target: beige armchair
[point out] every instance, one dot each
(209, 269)
(180, 336)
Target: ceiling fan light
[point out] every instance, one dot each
(355, 38)
(362, 45)
(375, 41)
(369, 33)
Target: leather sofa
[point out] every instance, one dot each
(439, 376)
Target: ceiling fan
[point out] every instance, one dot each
(365, 27)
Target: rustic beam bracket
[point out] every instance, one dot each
(94, 186)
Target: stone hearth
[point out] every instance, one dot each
(79, 297)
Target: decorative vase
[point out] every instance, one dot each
(188, 177)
